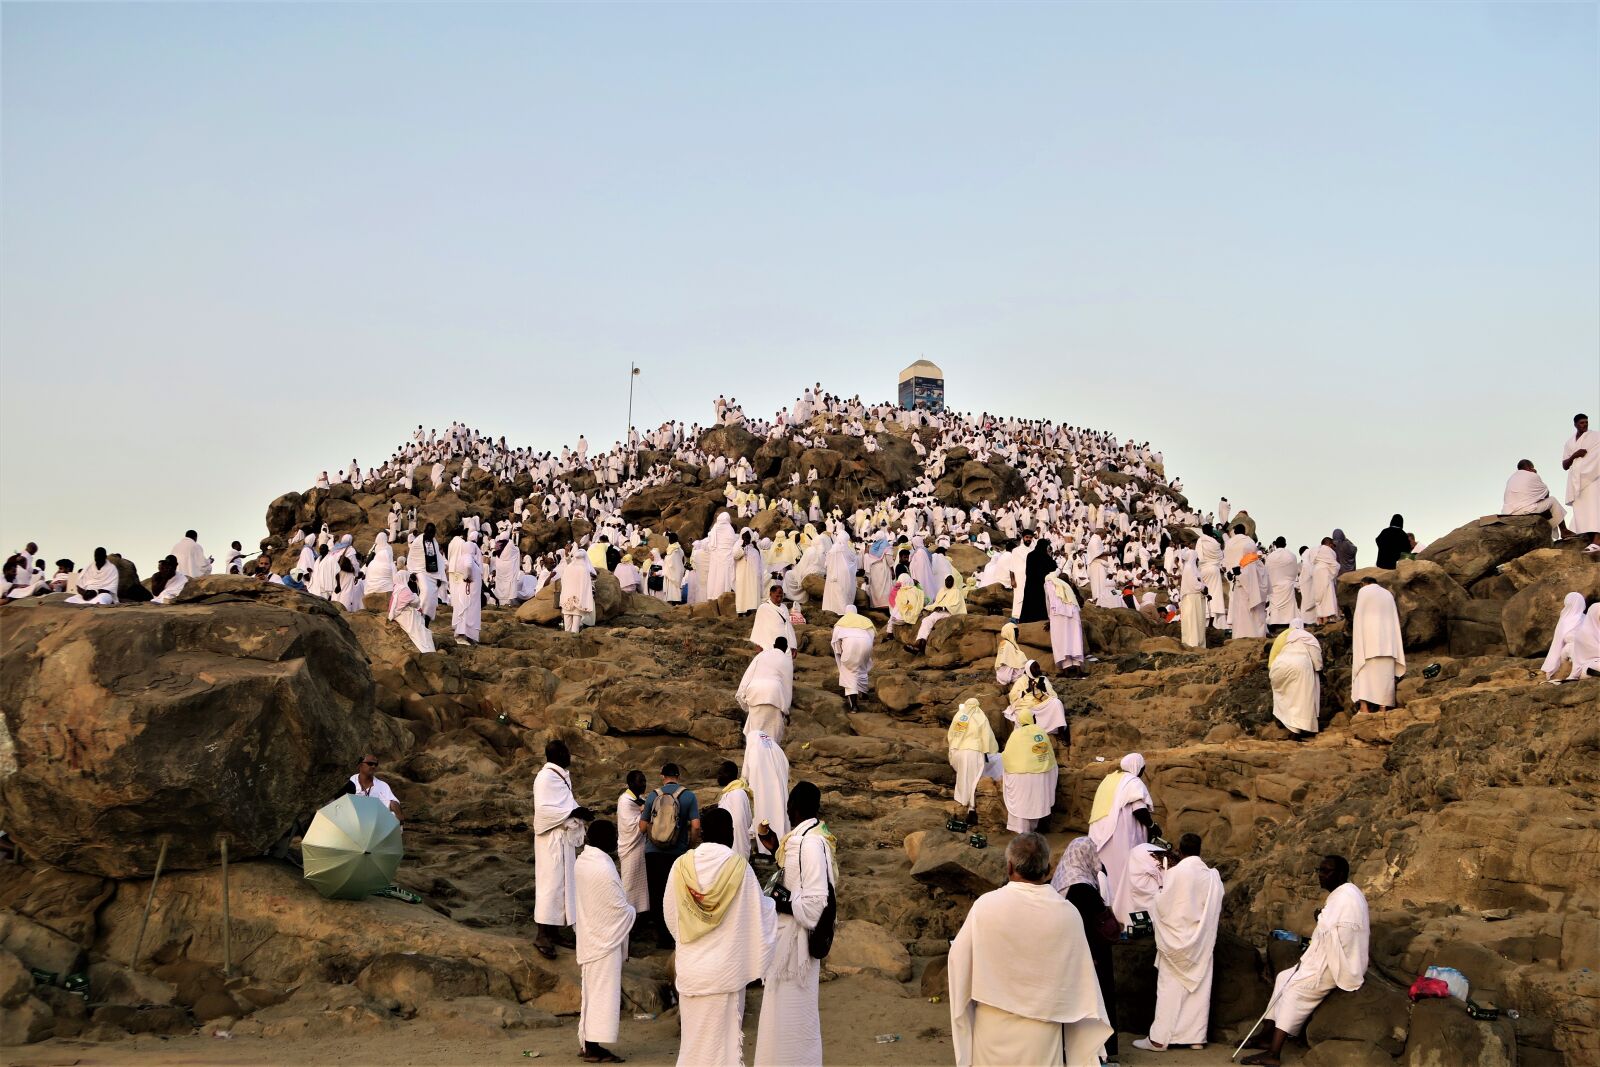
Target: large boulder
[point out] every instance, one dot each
(1543, 579)
(1475, 550)
(1444, 1035)
(219, 715)
(1428, 598)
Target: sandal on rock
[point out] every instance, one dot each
(547, 951)
(604, 1057)
(1260, 1059)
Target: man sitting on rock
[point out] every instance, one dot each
(1336, 957)
(366, 783)
(1526, 494)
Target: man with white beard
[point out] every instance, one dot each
(602, 921)
(1526, 494)
(192, 559)
(1283, 570)
(466, 584)
(1377, 653)
(772, 620)
(766, 691)
(725, 931)
(558, 821)
(1185, 924)
(840, 588)
(1580, 458)
(1336, 957)
(1023, 989)
(851, 642)
(1119, 822)
(577, 591)
(790, 1033)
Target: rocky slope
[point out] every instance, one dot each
(1469, 815)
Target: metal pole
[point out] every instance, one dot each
(227, 926)
(138, 942)
(631, 373)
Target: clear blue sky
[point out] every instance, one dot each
(1336, 260)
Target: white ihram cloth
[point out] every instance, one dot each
(1586, 644)
(722, 545)
(1066, 622)
(1022, 985)
(1144, 879)
(404, 611)
(766, 768)
(1377, 655)
(1321, 600)
(577, 588)
(1336, 957)
(736, 802)
(603, 920)
(1029, 797)
(712, 971)
(1572, 610)
(379, 574)
(466, 584)
(1185, 921)
(1296, 686)
(1283, 570)
(630, 850)
(1526, 494)
(1583, 482)
(790, 1032)
(769, 679)
(507, 573)
(972, 742)
(555, 843)
(96, 585)
(1118, 833)
(192, 561)
(852, 651)
(672, 575)
(1208, 561)
(427, 584)
(772, 620)
(747, 578)
(840, 588)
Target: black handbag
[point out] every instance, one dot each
(819, 940)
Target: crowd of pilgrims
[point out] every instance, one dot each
(1030, 981)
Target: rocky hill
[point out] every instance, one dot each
(1469, 815)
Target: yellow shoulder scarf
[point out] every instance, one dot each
(1277, 646)
(970, 732)
(821, 830)
(909, 601)
(951, 600)
(854, 620)
(1028, 749)
(739, 783)
(1105, 794)
(700, 911)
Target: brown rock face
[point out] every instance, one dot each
(1427, 597)
(222, 714)
(1475, 550)
(1542, 580)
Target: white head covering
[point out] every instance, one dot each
(1133, 763)
(1571, 616)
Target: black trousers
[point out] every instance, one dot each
(657, 866)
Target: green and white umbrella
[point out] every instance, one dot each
(352, 848)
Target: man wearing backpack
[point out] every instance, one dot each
(671, 826)
(790, 1033)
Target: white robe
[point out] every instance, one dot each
(603, 918)
(192, 561)
(766, 768)
(1336, 957)
(790, 1032)
(577, 590)
(1296, 685)
(1321, 599)
(840, 588)
(1022, 952)
(747, 579)
(711, 972)
(1283, 571)
(1377, 654)
(852, 652)
(1066, 623)
(722, 545)
(736, 802)
(1185, 921)
(1583, 482)
(630, 850)
(772, 620)
(556, 839)
(769, 679)
(379, 575)
(1118, 834)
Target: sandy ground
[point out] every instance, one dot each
(853, 1014)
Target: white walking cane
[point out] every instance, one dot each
(1270, 1003)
